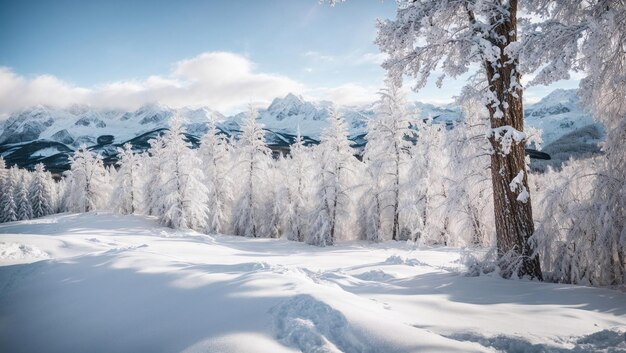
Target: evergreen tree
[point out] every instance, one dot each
(86, 182)
(8, 204)
(126, 196)
(24, 208)
(214, 152)
(386, 156)
(182, 193)
(336, 165)
(248, 217)
(41, 192)
(298, 184)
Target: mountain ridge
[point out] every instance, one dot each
(49, 128)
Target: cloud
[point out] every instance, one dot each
(347, 94)
(318, 56)
(221, 80)
(17, 92)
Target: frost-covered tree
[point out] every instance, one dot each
(153, 166)
(8, 205)
(332, 209)
(24, 208)
(126, 193)
(252, 165)
(41, 192)
(298, 183)
(181, 190)
(215, 154)
(590, 230)
(466, 176)
(426, 185)
(3, 170)
(61, 203)
(451, 36)
(86, 179)
(386, 156)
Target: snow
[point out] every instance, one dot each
(117, 283)
(507, 135)
(15, 251)
(557, 114)
(518, 183)
(46, 152)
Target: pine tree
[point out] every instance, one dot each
(153, 168)
(126, 196)
(182, 192)
(24, 208)
(336, 164)
(248, 219)
(41, 192)
(8, 205)
(86, 182)
(214, 152)
(3, 170)
(386, 156)
(298, 185)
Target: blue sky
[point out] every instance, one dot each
(131, 52)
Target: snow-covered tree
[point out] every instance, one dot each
(585, 37)
(24, 208)
(426, 185)
(126, 193)
(252, 166)
(182, 192)
(41, 192)
(153, 167)
(8, 205)
(215, 154)
(386, 156)
(332, 209)
(469, 200)
(453, 35)
(86, 179)
(298, 186)
(3, 170)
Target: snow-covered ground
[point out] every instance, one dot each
(109, 283)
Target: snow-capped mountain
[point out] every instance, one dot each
(49, 134)
(557, 114)
(81, 124)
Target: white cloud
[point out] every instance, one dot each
(18, 92)
(221, 80)
(347, 94)
(318, 56)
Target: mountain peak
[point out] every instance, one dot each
(289, 101)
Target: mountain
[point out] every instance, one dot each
(557, 114)
(47, 134)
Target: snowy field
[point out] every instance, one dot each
(110, 283)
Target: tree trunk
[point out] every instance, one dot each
(513, 218)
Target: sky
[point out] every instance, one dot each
(222, 54)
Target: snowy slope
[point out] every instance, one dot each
(34, 135)
(82, 124)
(557, 114)
(109, 283)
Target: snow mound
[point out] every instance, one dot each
(375, 276)
(399, 260)
(16, 251)
(313, 326)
